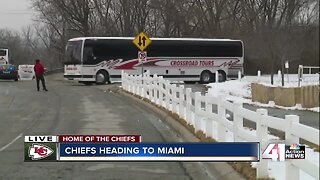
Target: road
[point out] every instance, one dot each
(77, 109)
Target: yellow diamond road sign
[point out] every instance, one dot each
(142, 41)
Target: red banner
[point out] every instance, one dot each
(100, 138)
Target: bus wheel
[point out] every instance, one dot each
(222, 76)
(206, 77)
(102, 77)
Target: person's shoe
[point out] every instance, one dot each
(45, 89)
(38, 90)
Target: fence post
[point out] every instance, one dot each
(279, 76)
(217, 77)
(221, 114)
(173, 96)
(134, 83)
(209, 122)
(125, 77)
(168, 96)
(188, 105)
(141, 86)
(149, 87)
(197, 108)
(139, 79)
(291, 171)
(300, 73)
(145, 86)
(262, 137)
(129, 83)
(145, 80)
(181, 101)
(237, 121)
(155, 88)
(160, 90)
(239, 75)
(123, 80)
(138, 84)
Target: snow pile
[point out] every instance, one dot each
(240, 91)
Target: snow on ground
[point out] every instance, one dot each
(240, 91)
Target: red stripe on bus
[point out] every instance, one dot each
(128, 65)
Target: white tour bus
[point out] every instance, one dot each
(101, 59)
(4, 56)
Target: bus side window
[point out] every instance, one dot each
(88, 55)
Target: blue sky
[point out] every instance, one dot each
(15, 14)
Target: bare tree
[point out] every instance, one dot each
(269, 28)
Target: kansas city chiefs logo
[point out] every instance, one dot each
(39, 151)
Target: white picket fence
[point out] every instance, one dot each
(197, 110)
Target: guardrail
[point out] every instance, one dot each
(207, 113)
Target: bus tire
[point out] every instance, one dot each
(222, 76)
(206, 77)
(102, 77)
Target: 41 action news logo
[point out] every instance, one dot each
(280, 152)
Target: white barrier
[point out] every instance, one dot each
(197, 111)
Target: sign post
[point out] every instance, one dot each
(142, 41)
(142, 57)
(287, 68)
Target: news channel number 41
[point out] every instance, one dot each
(281, 152)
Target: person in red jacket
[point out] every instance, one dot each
(39, 72)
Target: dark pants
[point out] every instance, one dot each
(41, 78)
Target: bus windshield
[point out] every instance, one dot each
(73, 52)
(3, 52)
(4, 56)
